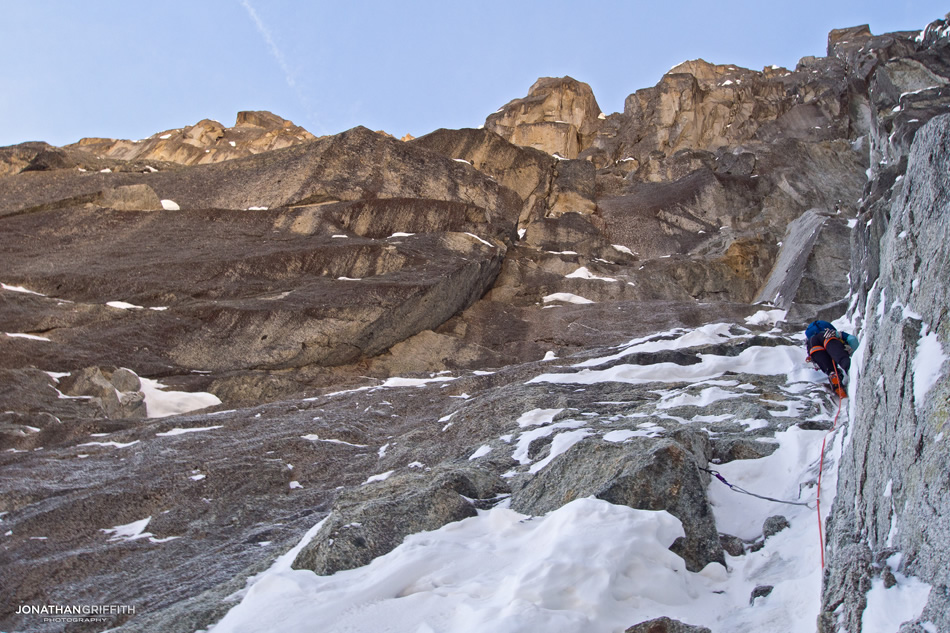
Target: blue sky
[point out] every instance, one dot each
(127, 69)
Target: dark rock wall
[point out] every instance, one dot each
(894, 493)
(892, 510)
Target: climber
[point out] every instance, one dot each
(831, 351)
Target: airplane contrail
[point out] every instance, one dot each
(274, 50)
(278, 55)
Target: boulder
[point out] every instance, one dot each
(49, 160)
(14, 158)
(760, 591)
(733, 448)
(773, 525)
(665, 625)
(643, 473)
(37, 412)
(847, 35)
(130, 198)
(115, 402)
(732, 545)
(125, 380)
(373, 519)
(204, 133)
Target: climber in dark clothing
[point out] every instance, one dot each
(831, 351)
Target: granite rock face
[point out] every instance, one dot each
(891, 513)
(401, 333)
(893, 476)
(559, 116)
(219, 286)
(526, 171)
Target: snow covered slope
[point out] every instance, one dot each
(591, 565)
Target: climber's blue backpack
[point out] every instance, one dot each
(818, 326)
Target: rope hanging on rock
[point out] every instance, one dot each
(817, 506)
(752, 494)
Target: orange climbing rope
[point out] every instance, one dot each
(821, 465)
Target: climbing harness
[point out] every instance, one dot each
(752, 494)
(834, 377)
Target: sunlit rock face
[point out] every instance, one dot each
(204, 142)
(558, 116)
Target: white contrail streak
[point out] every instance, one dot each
(274, 50)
